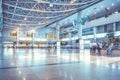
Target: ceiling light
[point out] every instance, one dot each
(101, 6)
(82, 16)
(108, 8)
(25, 18)
(95, 13)
(38, 1)
(98, 9)
(33, 31)
(116, 12)
(39, 23)
(113, 4)
(50, 5)
(72, 1)
(89, 10)
(47, 17)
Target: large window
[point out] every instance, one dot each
(109, 27)
(100, 29)
(118, 26)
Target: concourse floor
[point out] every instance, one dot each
(69, 64)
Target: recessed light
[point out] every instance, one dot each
(116, 12)
(82, 16)
(89, 10)
(101, 6)
(113, 4)
(108, 8)
(25, 18)
(50, 5)
(98, 9)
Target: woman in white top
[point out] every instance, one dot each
(94, 45)
(110, 48)
(100, 46)
(91, 47)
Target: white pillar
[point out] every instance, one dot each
(79, 26)
(58, 42)
(114, 27)
(70, 36)
(81, 42)
(94, 32)
(80, 32)
(1, 41)
(17, 38)
(33, 40)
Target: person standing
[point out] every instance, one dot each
(91, 47)
(110, 48)
(100, 46)
(94, 46)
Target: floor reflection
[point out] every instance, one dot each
(36, 57)
(38, 64)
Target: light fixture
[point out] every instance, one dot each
(98, 9)
(50, 5)
(116, 12)
(82, 16)
(39, 23)
(113, 4)
(25, 18)
(95, 13)
(108, 8)
(33, 31)
(89, 10)
(72, 1)
(101, 6)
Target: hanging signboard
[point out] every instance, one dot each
(13, 34)
(88, 31)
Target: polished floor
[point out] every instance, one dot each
(70, 64)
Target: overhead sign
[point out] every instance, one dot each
(88, 31)
(13, 34)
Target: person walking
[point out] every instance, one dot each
(94, 47)
(91, 47)
(100, 46)
(110, 49)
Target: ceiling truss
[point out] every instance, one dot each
(40, 13)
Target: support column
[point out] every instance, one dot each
(94, 32)
(81, 42)
(58, 37)
(70, 36)
(80, 32)
(79, 26)
(114, 27)
(17, 38)
(1, 41)
(1, 44)
(33, 34)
